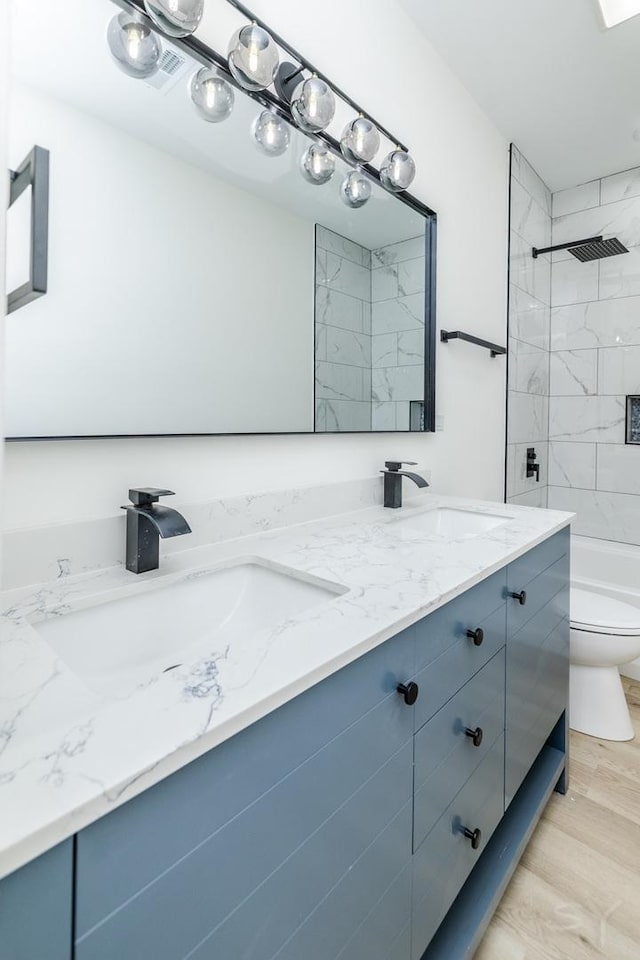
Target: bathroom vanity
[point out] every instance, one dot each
(324, 738)
(359, 785)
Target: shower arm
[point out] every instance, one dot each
(537, 251)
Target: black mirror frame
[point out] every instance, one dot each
(207, 56)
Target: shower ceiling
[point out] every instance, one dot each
(550, 75)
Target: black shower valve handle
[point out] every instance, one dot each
(533, 467)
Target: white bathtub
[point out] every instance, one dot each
(611, 568)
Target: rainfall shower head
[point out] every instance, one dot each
(593, 248)
(597, 249)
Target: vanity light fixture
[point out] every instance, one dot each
(355, 189)
(313, 105)
(176, 18)
(360, 140)
(212, 96)
(134, 46)
(290, 92)
(397, 171)
(270, 134)
(317, 164)
(253, 58)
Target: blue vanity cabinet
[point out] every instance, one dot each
(448, 855)
(352, 823)
(36, 908)
(537, 654)
(448, 749)
(458, 748)
(455, 641)
(288, 840)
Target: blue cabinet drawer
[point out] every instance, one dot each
(532, 563)
(539, 592)
(36, 906)
(204, 906)
(442, 678)
(448, 625)
(446, 858)
(125, 851)
(444, 756)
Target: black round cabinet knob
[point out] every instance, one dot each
(475, 735)
(476, 635)
(520, 597)
(409, 691)
(474, 835)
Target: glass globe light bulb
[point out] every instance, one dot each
(397, 171)
(270, 133)
(253, 58)
(176, 18)
(212, 96)
(134, 47)
(360, 140)
(317, 164)
(355, 189)
(313, 105)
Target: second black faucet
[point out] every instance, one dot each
(393, 481)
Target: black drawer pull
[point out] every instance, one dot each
(474, 835)
(520, 597)
(476, 635)
(409, 691)
(475, 735)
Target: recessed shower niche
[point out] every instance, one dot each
(633, 420)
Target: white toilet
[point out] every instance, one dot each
(605, 633)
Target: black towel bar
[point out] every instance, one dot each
(33, 172)
(495, 350)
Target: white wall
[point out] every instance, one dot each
(382, 60)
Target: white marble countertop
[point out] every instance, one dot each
(68, 754)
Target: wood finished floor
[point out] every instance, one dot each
(576, 893)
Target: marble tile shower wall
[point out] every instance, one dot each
(595, 361)
(397, 332)
(529, 324)
(343, 333)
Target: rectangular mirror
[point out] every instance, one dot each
(195, 285)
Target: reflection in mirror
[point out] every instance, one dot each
(188, 271)
(370, 334)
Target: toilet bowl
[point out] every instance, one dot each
(605, 633)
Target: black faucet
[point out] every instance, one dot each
(147, 521)
(393, 481)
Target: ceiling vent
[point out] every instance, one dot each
(172, 67)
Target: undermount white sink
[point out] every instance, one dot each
(117, 645)
(447, 522)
